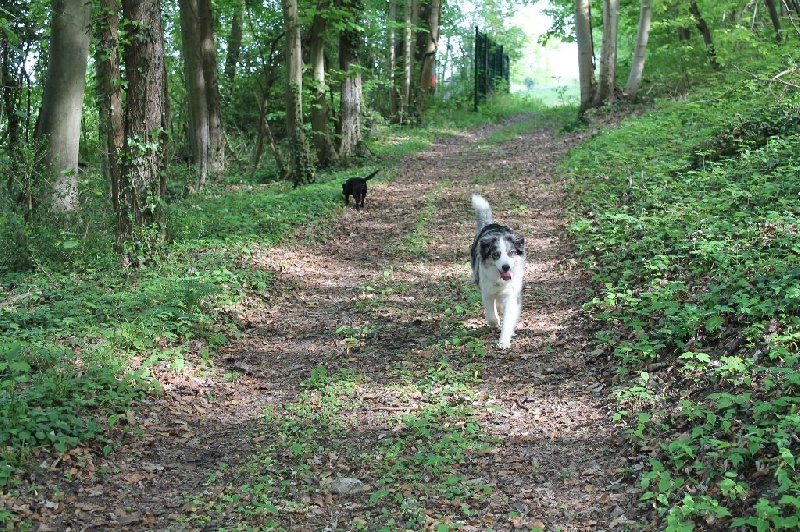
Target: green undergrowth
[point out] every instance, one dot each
(687, 218)
(99, 334)
(172, 312)
(44, 393)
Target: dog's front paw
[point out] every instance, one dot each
(494, 323)
(503, 343)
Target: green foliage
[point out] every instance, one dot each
(113, 318)
(45, 395)
(34, 236)
(265, 213)
(69, 340)
(691, 240)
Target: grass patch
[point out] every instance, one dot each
(410, 469)
(396, 141)
(414, 242)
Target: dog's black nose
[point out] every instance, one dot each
(506, 267)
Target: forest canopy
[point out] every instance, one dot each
(120, 108)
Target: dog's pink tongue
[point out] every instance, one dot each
(506, 276)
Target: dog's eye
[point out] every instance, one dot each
(496, 255)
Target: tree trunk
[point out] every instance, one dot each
(143, 182)
(109, 95)
(13, 91)
(351, 140)
(235, 41)
(62, 102)
(301, 167)
(631, 90)
(194, 77)
(216, 133)
(583, 36)
(206, 136)
(394, 100)
(705, 31)
(431, 44)
(409, 20)
(320, 112)
(608, 57)
(775, 18)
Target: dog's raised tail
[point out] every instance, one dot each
(483, 212)
(370, 176)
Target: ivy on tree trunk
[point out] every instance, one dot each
(143, 181)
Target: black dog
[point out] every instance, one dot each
(356, 187)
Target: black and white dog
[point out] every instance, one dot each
(498, 264)
(357, 187)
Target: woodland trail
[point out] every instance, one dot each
(392, 273)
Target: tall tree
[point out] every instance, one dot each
(394, 93)
(202, 89)
(108, 93)
(302, 169)
(62, 102)
(583, 36)
(430, 13)
(143, 183)
(234, 47)
(216, 133)
(705, 32)
(608, 54)
(320, 112)
(774, 16)
(350, 135)
(410, 13)
(198, 130)
(636, 74)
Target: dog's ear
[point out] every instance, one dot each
(519, 243)
(487, 244)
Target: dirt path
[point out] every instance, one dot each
(559, 462)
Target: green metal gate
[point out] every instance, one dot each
(492, 66)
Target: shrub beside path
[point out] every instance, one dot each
(383, 295)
